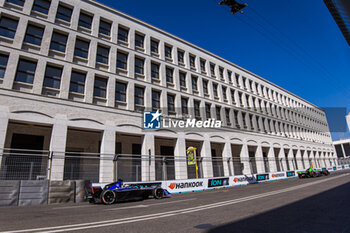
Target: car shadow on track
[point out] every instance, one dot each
(328, 211)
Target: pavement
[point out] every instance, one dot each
(293, 205)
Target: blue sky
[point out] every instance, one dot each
(295, 44)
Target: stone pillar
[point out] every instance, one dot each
(27, 6)
(92, 53)
(58, 147)
(89, 87)
(4, 119)
(111, 85)
(306, 160)
(316, 159)
(272, 160)
(326, 159)
(65, 82)
(322, 157)
(291, 159)
(299, 160)
(10, 73)
(312, 157)
(227, 159)
(260, 167)
(39, 77)
(148, 98)
(206, 156)
(335, 160)
(130, 94)
(245, 159)
(148, 162)
(20, 33)
(180, 157)
(107, 168)
(52, 11)
(45, 44)
(282, 156)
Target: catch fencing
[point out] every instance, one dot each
(19, 164)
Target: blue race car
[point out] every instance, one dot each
(115, 192)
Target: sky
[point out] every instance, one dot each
(294, 44)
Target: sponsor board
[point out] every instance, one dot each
(218, 182)
(262, 177)
(343, 167)
(334, 168)
(176, 186)
(290, 174)
(339, 168)
(243, 179)
(277, 175)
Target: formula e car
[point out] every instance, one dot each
(312, 173)
(116, 192)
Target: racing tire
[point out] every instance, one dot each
(158, 193)
(108, 197)
(312, 174)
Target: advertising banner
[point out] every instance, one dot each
(177, 186)
(262, 177)
(277, 175)
(191, 156)
(290, 174)
(219, 182)
(242, 180)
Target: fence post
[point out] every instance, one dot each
(49, 165)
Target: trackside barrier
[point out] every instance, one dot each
(61, 191)
(180, 186)
(81, 190)
(192, 185)
(33, 192)
(37, 192)
(9, 191)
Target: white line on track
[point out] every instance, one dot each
(71, 207)
(107, 223)
(143, 206)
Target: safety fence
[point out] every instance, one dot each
(19, 164)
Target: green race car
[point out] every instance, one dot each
(310, 172)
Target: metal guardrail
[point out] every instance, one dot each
(19, 164)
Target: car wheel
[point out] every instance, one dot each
(312, 174)
(158, 193)
(108, 197)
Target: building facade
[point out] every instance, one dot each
(342, 148)
(76, 76)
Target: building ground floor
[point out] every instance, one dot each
(43, 139)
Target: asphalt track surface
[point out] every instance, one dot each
(309, 205)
